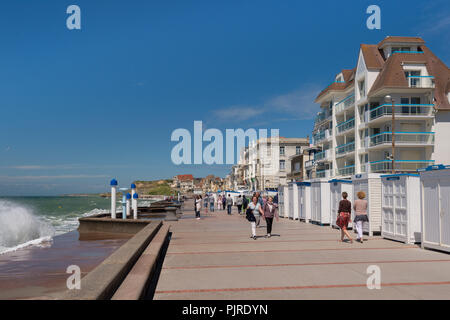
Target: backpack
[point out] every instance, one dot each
(249, 215)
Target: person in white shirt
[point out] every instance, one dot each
(257, 211)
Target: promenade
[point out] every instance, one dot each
(214, 258)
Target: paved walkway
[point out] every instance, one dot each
(214, 258)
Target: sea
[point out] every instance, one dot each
(34, 221)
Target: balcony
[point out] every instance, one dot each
(322, 155)
(322, 173)
(320, 136)
(402, 139)
(345, 126)
(400, 165)
(345, 148)
(309, 164)
(322, 116)
(413, 111)
(347, 170)
(345, 103)
(420, 81)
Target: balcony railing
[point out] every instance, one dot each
(322, 116)
(345, 148)
(322, 135)
(347, 170)
(321, 155)
(345, 103)
(402, 110)
(420, 81)
(309, 164)
(346, 125)
(323, 173)
(400, 165)
(402, 138)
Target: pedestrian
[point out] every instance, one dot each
(261, 204)
(239, 203)
(224, 201)
(254, 210)
(219, 203)
(275, 199)
(360, 207)
(229, 203)
(344, 216)
(270, 211)
(244, 203)
(198, 206)
(211, 202)
(206, 202)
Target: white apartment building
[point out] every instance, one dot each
(266, 163)
(353, 130)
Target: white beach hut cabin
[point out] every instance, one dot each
(320, 201)
(435, 208)
(401, 207)
(304, 196)
(337, 186)
(370, 183)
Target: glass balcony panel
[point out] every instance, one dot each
(345, 148)
(402, 110)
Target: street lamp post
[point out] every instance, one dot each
(388, 98)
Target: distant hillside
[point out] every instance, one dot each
(157, 187)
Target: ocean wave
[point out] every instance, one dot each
(19, 227)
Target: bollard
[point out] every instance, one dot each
(133, 191)
(128, 204)
(113, 198)
(135, 210)
(124, 202)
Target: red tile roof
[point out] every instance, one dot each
(185, 177)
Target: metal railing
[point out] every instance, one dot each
(346, 125)
(321, 155)
(345, 103)
(322, 135)
(323, 173)
(345, 148)
(402, 110)
(347, 170)
(420, 81)
(400, 165)
(402, 138)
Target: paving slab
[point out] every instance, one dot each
(215, 258)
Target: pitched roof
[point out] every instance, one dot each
(397, 39)
(392, 74)
(372, 56)
(185, 177)
(339, 86)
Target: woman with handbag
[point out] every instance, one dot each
(254, 210)
(344, 216)
(361, 218)
(270, 212)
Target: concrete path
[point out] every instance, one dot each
(214, 258)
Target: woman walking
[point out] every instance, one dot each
(360, 207)
(270, 211)
(219, 203)
(344, 216)
(198, 206)
(255, 208)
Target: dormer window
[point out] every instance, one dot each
(413, 78)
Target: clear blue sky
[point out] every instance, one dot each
(80, 107)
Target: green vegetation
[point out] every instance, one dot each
(156, 187)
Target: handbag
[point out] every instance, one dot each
(249, 215)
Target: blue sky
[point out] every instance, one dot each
(82, 106)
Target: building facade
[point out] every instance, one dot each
(354, 129)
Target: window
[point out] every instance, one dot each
(298, 149)
(282, 165)
(281, 151)
(413, 78)
(297, 166)
(362, 89)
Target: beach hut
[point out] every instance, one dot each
(435, 208)
(304, 196)
(320, 201)
(282, 201)
(293, 200)
(370, 183)
(400, 211)
(337, 186)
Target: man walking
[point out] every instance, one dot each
(239, 203)
(229, 203)
(211, 202)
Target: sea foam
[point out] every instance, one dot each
(19, 227)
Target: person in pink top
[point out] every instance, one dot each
(360, 207)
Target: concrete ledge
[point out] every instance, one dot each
(135, 284)
(108, 225)
(103, 281)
